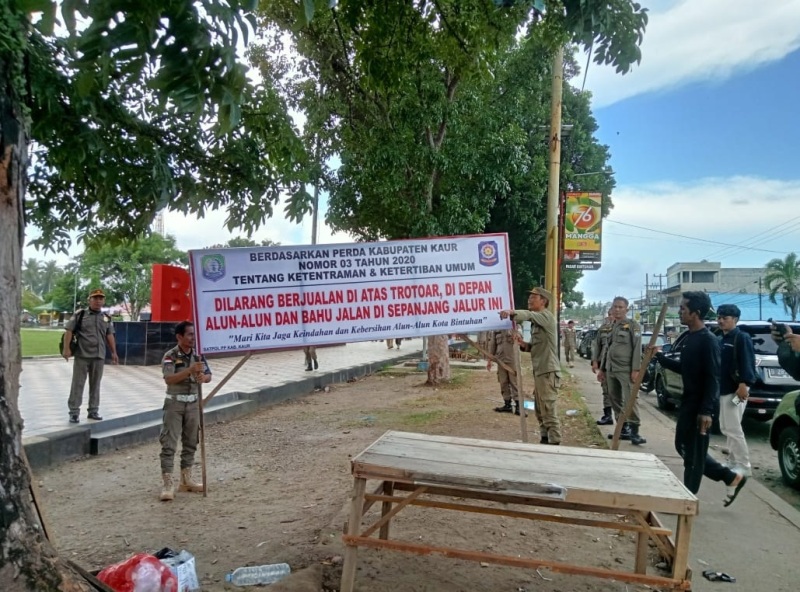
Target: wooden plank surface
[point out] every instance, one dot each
(602, 477)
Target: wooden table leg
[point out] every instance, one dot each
(683, 537)
(642, 540)
(353, 529)
(386, 507)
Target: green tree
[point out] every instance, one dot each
(69, 292)
(402, 93)
(783, 277)
(142, 106)
(243, 242)
(30, 301)
(124, 269)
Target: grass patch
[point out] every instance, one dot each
(40, 342)
(583, 425)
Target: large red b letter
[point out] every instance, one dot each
(169, 297)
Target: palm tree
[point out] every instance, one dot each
(31, 276)
(783, 276)
(49, 275)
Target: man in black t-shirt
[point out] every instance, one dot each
(699, 366)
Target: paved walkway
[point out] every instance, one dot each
(127, 390)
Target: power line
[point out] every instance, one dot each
(694, 238)
(751, 241)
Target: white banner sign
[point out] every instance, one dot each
(266, 297)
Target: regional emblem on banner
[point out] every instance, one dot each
(487, 251)
(213, 267)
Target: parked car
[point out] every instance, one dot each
(649, 379)
(772, 381)
(784, 435)
(585, 346)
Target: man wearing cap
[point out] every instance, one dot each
(620, 367)
(570, 343)
(183, 372)
(95, 332)
(544, 358)
(737, 375)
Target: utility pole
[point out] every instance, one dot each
(551, 243)
(759, 299)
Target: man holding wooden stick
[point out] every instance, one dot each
(620, 367)
(544, 358)
(183, 373)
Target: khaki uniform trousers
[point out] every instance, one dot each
(81, 368)
(508, 383)
(606, 396)
(569, 354)
(619, 389)
(544, 397)
(181, 421)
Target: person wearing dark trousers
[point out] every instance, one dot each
(311, 357)
(699, 366)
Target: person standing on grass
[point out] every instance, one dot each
(737, 375)
(699, 366)
(503, 346)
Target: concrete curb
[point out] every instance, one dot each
(108, 435)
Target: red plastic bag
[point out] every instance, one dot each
(140, 573)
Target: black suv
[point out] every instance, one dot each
(772, 381)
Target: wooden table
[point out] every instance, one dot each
(433, 470)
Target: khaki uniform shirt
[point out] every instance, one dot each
(624, 351)
(570, 339)
(95, 327)
(600, 342)
(544, 340)
(174, 361)
(501, 344)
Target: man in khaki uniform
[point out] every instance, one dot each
(503, 346)
(599, 346)
(544, 358)
(570, 343)
(620, 366)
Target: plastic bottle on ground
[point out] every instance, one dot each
(258, 574)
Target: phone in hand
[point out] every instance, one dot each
(779, 326)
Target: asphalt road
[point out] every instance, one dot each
(763, 458)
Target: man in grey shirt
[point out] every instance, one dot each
(95, 332)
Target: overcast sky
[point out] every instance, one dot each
(703, 137)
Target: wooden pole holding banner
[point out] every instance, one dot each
(648, 355)
(523, 423)
(201, 409)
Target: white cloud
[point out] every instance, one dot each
(702, 40)
(758, 213)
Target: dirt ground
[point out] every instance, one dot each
(279, 488)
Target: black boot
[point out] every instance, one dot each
(635, 437)
(516, 408)
(607, 418)
(625, 434)
(506, 408)
(316, 365)
(309, 368)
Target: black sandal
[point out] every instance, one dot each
(718, 576)
(732, 496)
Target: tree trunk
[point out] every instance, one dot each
(438, 360)
(28, 562)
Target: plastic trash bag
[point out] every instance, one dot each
(140, 573)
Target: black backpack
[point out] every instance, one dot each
(73, 344)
